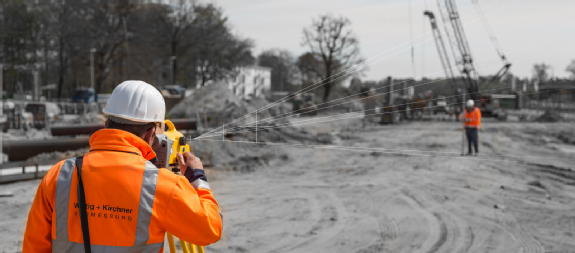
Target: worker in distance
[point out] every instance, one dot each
(130, 203)
(472, 125)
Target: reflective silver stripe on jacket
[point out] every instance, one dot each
(147, 193)
(146, 202)
(63, 198)
(198, 183)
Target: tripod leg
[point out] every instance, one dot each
(171, 243)
(193, 248)
(184, 246)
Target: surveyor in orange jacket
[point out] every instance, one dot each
(130, 203)
(472, 125)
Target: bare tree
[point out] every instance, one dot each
(217, 52)
(540, 72)
(59, 35)
(571, 68)
(61, 18)
(21, 38)
(104, 25)
(172, 30)
(332, 42)
(308, 67)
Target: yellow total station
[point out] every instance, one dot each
(179, 143)
(172, 142)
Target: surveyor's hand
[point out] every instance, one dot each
(187, 159)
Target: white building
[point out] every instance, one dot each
(251, 81)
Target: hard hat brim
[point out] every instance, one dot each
(136, 101)
(128, 118)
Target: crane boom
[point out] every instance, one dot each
(496, 45)
(464, 59)
(441, 50)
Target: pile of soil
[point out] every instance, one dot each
(89, 118)
(567, 137)
(215, 105)
(218, 103)
(550, 116)
(30, 134)
(92, 115)
(58, 156)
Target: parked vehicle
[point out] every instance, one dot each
(496, 105)
(441, 106)
(43, 114)
(84, 95)
(172, 94)
(172, 91)
(16, 116)
(309, 106)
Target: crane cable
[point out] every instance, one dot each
(411, 38)
(489, 31)
(423, 44)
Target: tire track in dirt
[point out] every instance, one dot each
(327, 221)
(437, 232)
(314, 218)
(416, 228)
(387, 227)
(491, 240)
(528, 244)
(455, 234)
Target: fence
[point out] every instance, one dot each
(560, 101)
(18, 171)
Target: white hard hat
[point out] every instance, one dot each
(136, 101)
(470, 103)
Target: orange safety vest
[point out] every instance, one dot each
(130, 203)
(473, 118)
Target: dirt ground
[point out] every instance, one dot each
(517, 196)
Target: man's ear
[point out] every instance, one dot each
(149, 136)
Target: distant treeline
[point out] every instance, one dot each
(130, 41)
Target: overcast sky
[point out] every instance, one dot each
(529, 31)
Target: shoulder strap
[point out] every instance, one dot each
(82, 201)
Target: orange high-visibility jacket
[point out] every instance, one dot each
(473, 118)
(130, 203)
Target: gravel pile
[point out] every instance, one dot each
(550, 116)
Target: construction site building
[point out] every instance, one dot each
(251, 81)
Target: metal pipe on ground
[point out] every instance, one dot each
(76, 130)
(180, 124)
(23, 149)
(185, 124)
